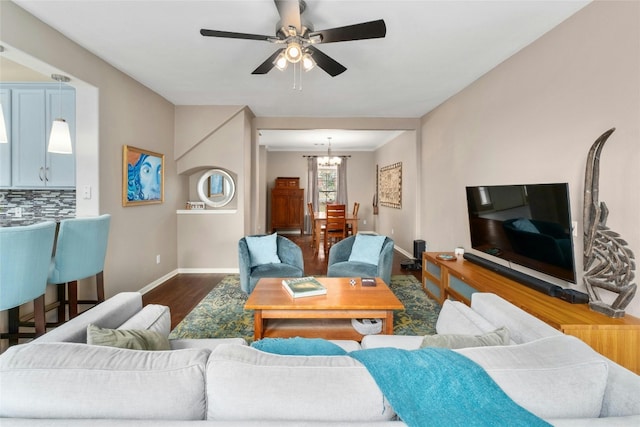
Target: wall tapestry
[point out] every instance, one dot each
(390, 186)
(142, 177)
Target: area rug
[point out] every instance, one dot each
(221, 313)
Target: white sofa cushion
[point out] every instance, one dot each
(405, 342)
(244, 383)
(553, 377)
(69, 380)
(152, 317)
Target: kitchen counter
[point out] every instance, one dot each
(26, 220)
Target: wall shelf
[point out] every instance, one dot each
(206, 211)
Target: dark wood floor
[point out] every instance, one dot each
(183, 292)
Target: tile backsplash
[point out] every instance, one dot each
(37, 204)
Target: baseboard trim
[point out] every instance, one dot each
(224, 270)
(158, 282)
(177, 271)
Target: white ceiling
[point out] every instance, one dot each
(432, 50)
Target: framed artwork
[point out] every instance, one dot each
(142, 176)
(390, 186)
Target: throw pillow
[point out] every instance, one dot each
(498, 337)
(134, 339)
(366, 248)
(523, 224)
(263, 249)
(299, 346)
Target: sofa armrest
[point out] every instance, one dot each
(110, 314)
(290, 253)
(523, 327)
(244, 264)
(152, 317)
(341, 251)
(210, 343)
(385, 263)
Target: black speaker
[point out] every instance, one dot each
(530, 281)
(573, 296)
(419, 246)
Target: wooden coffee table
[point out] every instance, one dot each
(277, 314)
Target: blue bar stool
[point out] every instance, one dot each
(81, 248)
(25, 255)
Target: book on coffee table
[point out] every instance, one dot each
(303, 287)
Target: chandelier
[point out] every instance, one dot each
(329, 160)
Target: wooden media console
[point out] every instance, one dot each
(617, 339)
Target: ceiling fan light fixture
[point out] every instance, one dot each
(281, 62)
(293, 52)
(307, 62)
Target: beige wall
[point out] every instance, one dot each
(401, 224)
(220, 138)
(126, 112)
(533, 119)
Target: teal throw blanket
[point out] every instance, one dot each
(299, 346)
(439, 387)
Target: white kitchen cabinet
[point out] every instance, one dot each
(5, 149)
(33, 109)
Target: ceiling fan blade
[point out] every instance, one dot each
(331, 66)
(289, 11)
(365, 30)
(267, 65)
(232, 35)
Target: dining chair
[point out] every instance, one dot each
(25, 255)
(336, 225)
(312, 219)
(356, 208)
(81, 248)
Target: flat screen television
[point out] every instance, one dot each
(529, 225)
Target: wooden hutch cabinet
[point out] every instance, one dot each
(287, 204)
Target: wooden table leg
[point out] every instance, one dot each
(258, 327)
(316, 231)
(388, 323)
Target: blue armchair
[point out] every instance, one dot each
(339, 265)
(291, 263)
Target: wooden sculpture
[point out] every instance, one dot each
(608, 263)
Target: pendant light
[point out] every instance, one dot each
(329, 160)
(60, 137)
(3, 125)
(3, 128)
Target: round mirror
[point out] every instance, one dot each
(216, 188)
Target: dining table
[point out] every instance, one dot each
(320, 219)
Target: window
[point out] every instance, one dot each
(327, 186)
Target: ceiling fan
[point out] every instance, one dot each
(298, 39)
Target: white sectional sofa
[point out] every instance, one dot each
(57, 380)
